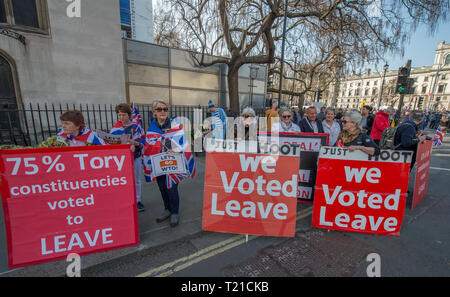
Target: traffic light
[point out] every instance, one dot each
(402, 80)
(319, 95)
(420, 102)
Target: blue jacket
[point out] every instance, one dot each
(406, 136)
(306, 127)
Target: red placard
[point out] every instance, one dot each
(359, 193)
(250, 194)
(423, 158)
(59, 201)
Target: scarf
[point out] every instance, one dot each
(86, 136)
(284, 127)
(347, 137)
(153, 145)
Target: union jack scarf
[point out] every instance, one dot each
(86, 136)
(438, 137)
(153, 146)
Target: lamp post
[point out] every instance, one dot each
(385, 68)
(282, 50)
(295, 75)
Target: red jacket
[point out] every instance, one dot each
(380, 123)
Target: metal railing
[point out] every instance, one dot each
(33, 123)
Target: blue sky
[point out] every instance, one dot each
(420, 49)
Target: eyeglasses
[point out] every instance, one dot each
(286, 117)
(162, 109)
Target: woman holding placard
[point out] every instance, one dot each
(352, 136)
(166, 135)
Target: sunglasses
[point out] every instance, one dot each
(248, 116)
(286, 116)
(345, 122)
(162, 109)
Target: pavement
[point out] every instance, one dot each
(153, 234)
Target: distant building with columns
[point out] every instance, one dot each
(430, 90)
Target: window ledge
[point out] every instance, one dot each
(25, 29)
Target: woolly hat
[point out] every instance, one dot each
(211, 104)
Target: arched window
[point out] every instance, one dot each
(447, 60)
(8, 94)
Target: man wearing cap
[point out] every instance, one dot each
(219, 120)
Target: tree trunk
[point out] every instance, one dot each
(233, 88)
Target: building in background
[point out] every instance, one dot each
(430, 90)
(48, 54)
(155, 71)
(136, 19)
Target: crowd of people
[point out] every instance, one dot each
(164, 135)
(356, 129)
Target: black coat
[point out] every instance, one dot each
(306, 128)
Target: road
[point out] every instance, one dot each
(422, 249)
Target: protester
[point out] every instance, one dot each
(125, 125)
(285, 124)
(352, 137)
(219, 120)
(249, 121)
(426, 120)
(271, 113)
(380, 123)
(297, 115)
(321, 115)
(330, 126)
(310, 124)
(444, 124)
(408, 134)
(166, 135)
(74, 131)
(367, 119)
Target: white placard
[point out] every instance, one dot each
(168, 163)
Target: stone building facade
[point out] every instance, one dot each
(53, 51)
(430, 90)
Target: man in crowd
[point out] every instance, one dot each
(408, 134)
(310, 124)
(219, 120)
(297, 115)
(367, 119)
(321, 115)
(271, 113)
(381, 123)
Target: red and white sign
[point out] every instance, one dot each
(59, 201)
(423, 159)
(258, 195)
(359, 193)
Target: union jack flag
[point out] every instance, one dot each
(438, 137)
(136, 117)
(155, 140)
(138, 133)
(86, 136)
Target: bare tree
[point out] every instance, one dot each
(333, 36)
